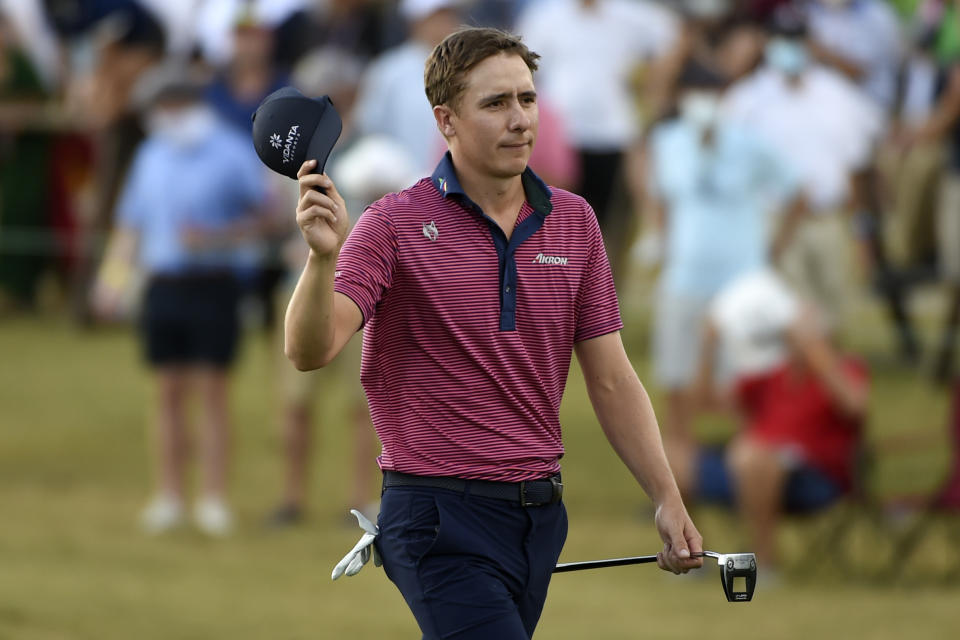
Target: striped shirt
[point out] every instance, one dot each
(468, 335)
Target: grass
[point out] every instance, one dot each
(74, 473)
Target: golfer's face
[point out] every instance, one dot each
(497, 120)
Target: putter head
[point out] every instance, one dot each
(736, 565)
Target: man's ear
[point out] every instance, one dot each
(444, 116)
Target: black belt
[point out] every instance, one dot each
(530, 493)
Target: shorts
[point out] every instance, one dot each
(191, 319)
(470, 567)
(808, 489)
(678, 330)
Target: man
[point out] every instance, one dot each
(474, 286)
(717, 190)
(189, 239)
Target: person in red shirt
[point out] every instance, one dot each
(801, 401)
(475, 287)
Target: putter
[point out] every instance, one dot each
(732, 565)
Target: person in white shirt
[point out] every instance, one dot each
(862, 39)
(829, 128)
(592, 50)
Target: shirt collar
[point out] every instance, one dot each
(536, 191)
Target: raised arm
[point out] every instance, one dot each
(319, 322)
(626, 416)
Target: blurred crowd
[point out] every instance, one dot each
(771, 161)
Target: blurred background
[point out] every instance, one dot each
(778, 184)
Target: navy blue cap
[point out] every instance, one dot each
(290, 128)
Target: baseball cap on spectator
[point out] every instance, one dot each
(290, 128)
(414, 10)
(328, 70)
(166, 82)
(752, 315)
(373, 166)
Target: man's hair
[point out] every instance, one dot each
(447, 67)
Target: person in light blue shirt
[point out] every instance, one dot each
(717, 190)
(188, 217)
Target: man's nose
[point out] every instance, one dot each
(520, 118)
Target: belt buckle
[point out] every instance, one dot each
(557, 486)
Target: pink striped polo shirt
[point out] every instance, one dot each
(468, 336)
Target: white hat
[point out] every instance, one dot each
(373, 166)
(752, 315)
(414, 10)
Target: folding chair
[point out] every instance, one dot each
(936, 529)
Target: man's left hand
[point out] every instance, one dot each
(680, 539)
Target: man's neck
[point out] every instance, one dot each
(500, 198)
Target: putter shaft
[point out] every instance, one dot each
(619, 562)
(599, 564)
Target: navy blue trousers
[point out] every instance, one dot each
(469, 567)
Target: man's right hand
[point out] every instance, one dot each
(322, 217)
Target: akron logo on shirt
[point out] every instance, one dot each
(290, 144)
(543, 259)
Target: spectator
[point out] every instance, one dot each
(802, 403)
(829, 128)
(187, 205)
(216, 22)
(24, 171)
(236, 91)
(590, 82)
(911, 166)
(391, 100)
(365, 168)
(716, 190)
(860, 38)
(716, 37)
(248, 77)
(110, 43)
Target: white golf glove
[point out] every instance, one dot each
(360, 554)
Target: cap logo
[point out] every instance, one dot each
(275, 141)
(290, 147)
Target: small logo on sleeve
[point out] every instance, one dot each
(430, 231)
(544, 259)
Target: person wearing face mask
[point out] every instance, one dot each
(716, 191)
(860, 38)
(189, 205)
(829, 129)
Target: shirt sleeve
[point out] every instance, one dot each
(598, 312)
(367, 261)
